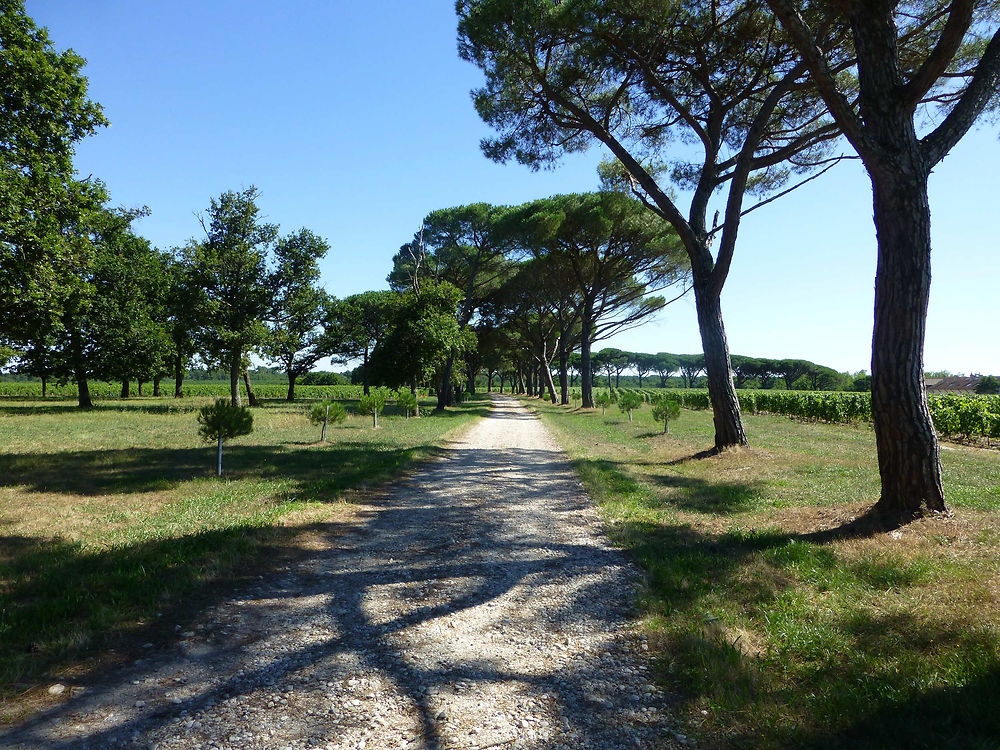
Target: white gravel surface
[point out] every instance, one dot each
(479, 607)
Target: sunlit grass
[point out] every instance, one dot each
(778, 632)
(111, 519)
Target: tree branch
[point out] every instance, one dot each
(940, 58)
(841, 109)
(982, 87)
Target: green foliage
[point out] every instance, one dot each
(374, 402)
(629, 401)
(223, 421)
(988, 385)
(45, 112)
(297, 340)
(406, 401)
(666, 408)
(603, 399)
(325, 412)
(231, 267)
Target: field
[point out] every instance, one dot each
(111, 520)
(778, 619)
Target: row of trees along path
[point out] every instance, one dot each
(761, 88)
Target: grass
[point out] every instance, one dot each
(778, 627)
(113, 529)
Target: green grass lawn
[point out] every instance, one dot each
(112, 521)
(776, 630)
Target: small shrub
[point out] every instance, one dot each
(374, 403)
(629, 401)
(406, 400)
(325, 412)
(221, 421)
(667, 407)
(603, 399)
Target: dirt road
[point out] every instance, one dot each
(479, 607)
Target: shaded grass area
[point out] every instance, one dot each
(780, 620)
(113, 529)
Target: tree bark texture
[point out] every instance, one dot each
(563, 375)
(156, 386)
(83, 400)
(586, 363)
(725, 406)
(178, 377)
(126, 392)
(251, 398)
(909, 458)
(291, 386)
(235, 365)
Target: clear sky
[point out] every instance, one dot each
(354, 120)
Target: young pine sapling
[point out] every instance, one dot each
(406, 401)
(667, 407)
(221, 421)
(603, 399)
(325, 412)
(374, 403)
(629, 401)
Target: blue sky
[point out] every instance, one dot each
(354, 120)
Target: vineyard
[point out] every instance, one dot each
(955, 416)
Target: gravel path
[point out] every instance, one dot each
(479, 607)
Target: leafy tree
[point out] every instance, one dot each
(465, 247)
(422, 334)
(231, 266)
(603, 399)
(222, 421)
(406, 401)
(629, 401)
(691, 366)
(924, 72)
(642, 363)
(357, 324)
(989, 384)
(325, 412)
(127, 309)
(664, 365)
(297, 340)
(638, 76)
(666, 408)
(373, 403)
(45, 112)
(184, 311)
(617, 254)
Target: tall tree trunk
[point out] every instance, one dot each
(909, 458)
(586, 363)
(365, 382)
(563, 372)
(140, 387)
(156, 386)
(725, 406)
(125, 389)
(291, 386)
(489, 382)
(178, 377)
(251, 398)
(83, 400)
(416, 395)
(547, 371)
(44, 385)
(219, 472)
(446, 395)
(235, 366)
